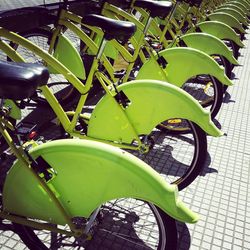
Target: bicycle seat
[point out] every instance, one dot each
(113, 29)
(156, 9)
(20, 80)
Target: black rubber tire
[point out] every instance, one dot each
(199, 141)
(67, 94)
(228, 69)
(227, 66)
(218, 97)
(235, 48)
(196, 87)
(168, 237)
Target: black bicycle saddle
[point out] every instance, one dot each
(113, 29)
(20, 80)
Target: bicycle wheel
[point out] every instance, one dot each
(63, 90)
(221, 60)
(234, 47)
(120, 224)
(207, 90)
(179, 151)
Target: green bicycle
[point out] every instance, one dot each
(74, 193)
(125, 119)
(152, 68)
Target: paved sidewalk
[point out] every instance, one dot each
(221, 193)
(222, 196)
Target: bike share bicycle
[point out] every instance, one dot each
(128, 122)
(200, 63)
(62, 194)
(208, 90)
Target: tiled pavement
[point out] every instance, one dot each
(220, 194)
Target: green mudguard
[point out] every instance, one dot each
(182, 64)
(209, 44)
(235, 7)
(88, 175)
(150, 103)
(221, 31)
(243, 4)
(227, 19)
(234, 13)
(67, 54)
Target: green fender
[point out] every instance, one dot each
(245, 3)
(66, 53)
(15, 111)
(182, 64)
(151, 102)
(234, 13)
(227, 19)
(221, 31)
(235, 7)
(242, 5)
(88, 175)
(209, 44)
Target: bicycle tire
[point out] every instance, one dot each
(221, 60)
(121, 218)
(208, 91)
(64, 91)
(228, 70)
(234, 47)
(183, 158)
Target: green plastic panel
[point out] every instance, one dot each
(221, 31)
(88, 175)
(243, 5)
(227, 19)
(188, 62)
(234, 13)
(236, 7)
(151, 102)
(67, 54)
(209, 44)
(244, 2)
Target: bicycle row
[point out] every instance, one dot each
(177, 60)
